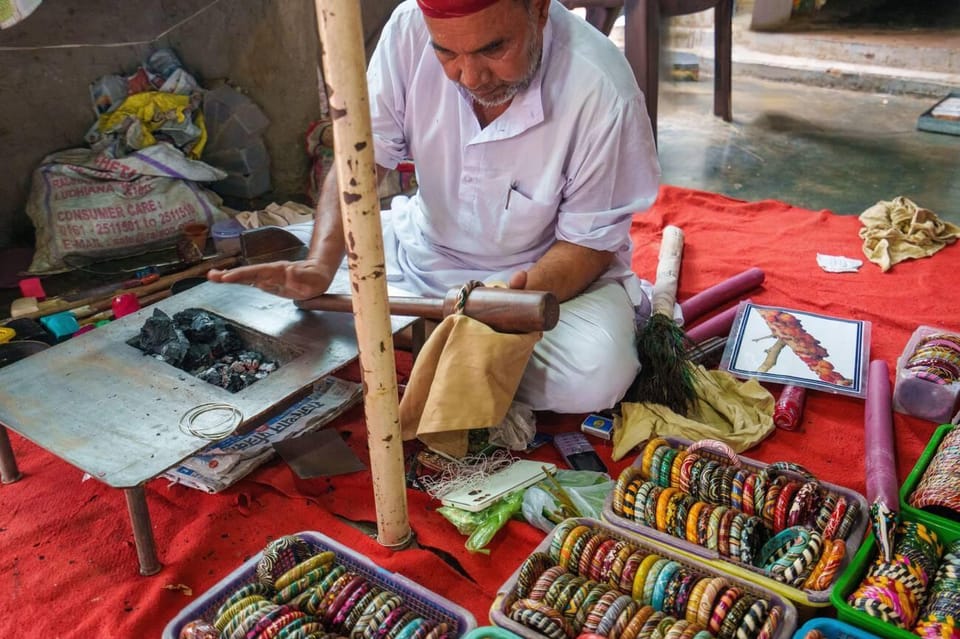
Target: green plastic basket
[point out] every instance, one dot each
(853, 575)
(913, 479)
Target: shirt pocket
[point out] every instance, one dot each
(524, 223)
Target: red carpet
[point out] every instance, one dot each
(66, 548)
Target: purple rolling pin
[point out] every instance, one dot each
(717, 326)
(719, 294)
(881, 457)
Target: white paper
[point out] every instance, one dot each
(13, 11)
(838, 263)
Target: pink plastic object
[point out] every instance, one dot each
(125, 304)
(31, 287)
(719, 294)
(788, 411)
(881, 459)
(717, 326)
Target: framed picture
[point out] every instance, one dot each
(787, 346)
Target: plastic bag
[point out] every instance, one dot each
(586, 489)
(484, 524)
(517, 429)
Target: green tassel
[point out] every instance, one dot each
(666, 374)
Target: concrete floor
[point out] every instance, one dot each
(817, 148)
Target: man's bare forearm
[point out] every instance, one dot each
(566, 270)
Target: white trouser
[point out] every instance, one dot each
(585, 363)
(589, 359)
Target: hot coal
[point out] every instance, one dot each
(204, 345)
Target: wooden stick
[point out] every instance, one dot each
(668, 271)
(90, 305)
(344, 69)
(502, 309)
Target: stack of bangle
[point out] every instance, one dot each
(592, 583)
(936, 358)
(316, 598)
(939, 489)
(705, 495)
(940, 613)
(895, 591)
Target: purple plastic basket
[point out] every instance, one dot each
(419, 599)
(506, 595)
(816, 598)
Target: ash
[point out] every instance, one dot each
(205, 346)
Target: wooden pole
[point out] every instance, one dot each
(344, 71)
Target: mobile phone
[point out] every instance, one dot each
(518, 475)
(578, 452)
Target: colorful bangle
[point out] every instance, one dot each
(531, 569)
(630, 568)
(695, 471)
(615, 575)
(693, 602)
(400, 624)
(573, 585)
(782, 507)
(632, 631)
(853, 509)
(313, 604)
(640, 504)
(760, 484)
(665, 495)
(650, 507)
(725, 490)
(746, 502)
(666, 466)
(655, 463)
(708, 486)
(303, 568)
(577, 552)
(593, 596)
(560, 533)
(736, 530)
(544, 581)
(722, 608)
(650, 625)
(684, 503)
(693, 516)
(568, 543)
(553, 592)
(676, 466)
(620, 488)
(770, 502)
(630, 499)
(736, 488)
(713, 527)
(770, 624)
(589, 550)
(599, 609)
(753, 620)
(337, 611)
(684, 590)
(597, 561)
(622, 604)
(354, 615)
(752, 539)
(803, 510)
(245, 621)
(831, 565)
(703, 524)
(572, 606)
(660, 587)
(711, 594)
(677, 629)
(725, 533)
(734, 618)
(647, 456)
(606, 568)
(686, 468)
(640, 579)
(539, 622)
(651, 581)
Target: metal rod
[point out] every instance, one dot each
(344, 68)
(9, 472)
(142, 530)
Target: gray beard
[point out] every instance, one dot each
(512, 90)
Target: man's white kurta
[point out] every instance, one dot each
(572, 158)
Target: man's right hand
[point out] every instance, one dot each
(295, 280)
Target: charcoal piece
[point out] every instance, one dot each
(227, 341)
(173, 351)
(198, 356)
(156, 331)
(213, 375)
(202, 329)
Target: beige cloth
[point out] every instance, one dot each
(465, 377)
(900, 230)
(735, 412)
(276, 215)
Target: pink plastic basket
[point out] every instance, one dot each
(419, 599)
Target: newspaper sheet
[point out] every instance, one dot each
(13, 11)
(225, 462)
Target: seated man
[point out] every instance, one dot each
(533, 150)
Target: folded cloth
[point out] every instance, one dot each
(735, 412)
(465, 377)
(276, 215)
(900, 230)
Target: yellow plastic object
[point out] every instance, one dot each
(6, 334)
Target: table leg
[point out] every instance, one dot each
(9, 472)
(142, 530)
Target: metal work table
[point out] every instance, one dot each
(103, 406)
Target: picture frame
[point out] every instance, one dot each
(799, 348)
